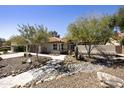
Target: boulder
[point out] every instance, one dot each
(29, 60)
(50, 78)
(110, 80)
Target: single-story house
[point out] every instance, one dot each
(55, 45)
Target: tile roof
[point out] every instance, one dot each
(121, 34)
(56, 39)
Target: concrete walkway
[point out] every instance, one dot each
(6, 56)
(26, 77)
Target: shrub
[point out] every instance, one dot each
(64, 52)
(5, 52)
(1, 58)
(4, 49)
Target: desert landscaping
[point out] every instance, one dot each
(86, 77)
(66, 72)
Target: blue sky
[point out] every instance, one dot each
(53, 17)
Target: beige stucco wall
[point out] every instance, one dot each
(50, 47)
(122, 49)
(109, 49)
(45, 47)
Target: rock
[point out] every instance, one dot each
(28, 85)
(38, 82)
(23, 61)
(4, 75)
(1, 58)
(110, 80)
(104, 85)
(63, 69)
(1, 66)
(17, 86)
(29, 55)
(13, 73)
(50, 78)
(60, 76)
(29, 60)
(57, 66)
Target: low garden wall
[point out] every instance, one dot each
(98, 49)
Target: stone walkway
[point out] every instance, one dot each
(26, 77)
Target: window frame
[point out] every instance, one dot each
(55, 46)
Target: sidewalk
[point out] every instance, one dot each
(5, 56)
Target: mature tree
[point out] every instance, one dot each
(27, 32)
(19, 40)
(91, 31)
(54, 34)
(41, 37)
(2, 40)
(34, 34)
(120, 19)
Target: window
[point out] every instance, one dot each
(54, 46)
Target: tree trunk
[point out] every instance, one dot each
(89, 54)
(89, 51)
(76, 52)
(26, 50)
(37, 53)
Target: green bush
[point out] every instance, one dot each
(5, 52)
(4, 48)
(20, 49)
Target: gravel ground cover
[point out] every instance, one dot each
(14, 66)
(80, 80)
(85, 78)
(72, 74)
